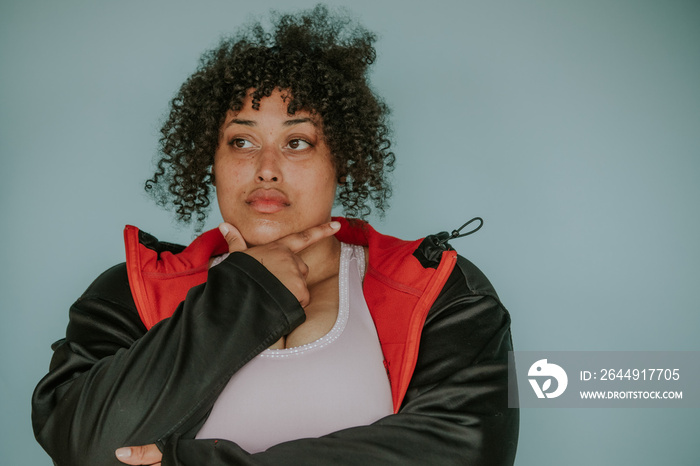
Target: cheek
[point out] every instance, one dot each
(327, 176)
(332, 185)
(229, 185)
(229, 175)
(324, 185)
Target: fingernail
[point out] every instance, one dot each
(335, 225)
(124, 452)
(223, 229)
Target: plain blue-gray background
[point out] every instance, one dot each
(572, 127)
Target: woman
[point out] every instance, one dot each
(284, 337)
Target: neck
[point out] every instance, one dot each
(322, 258)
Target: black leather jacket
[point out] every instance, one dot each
(112, 383)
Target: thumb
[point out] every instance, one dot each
(233, 237)
(144, 454)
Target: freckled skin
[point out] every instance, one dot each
(270, 150)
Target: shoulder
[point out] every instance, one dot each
(105, 316)
(111, 285)
(469, 292)
(472, 278)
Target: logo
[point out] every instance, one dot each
(542, 369)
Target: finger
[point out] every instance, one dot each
(145, 454)
(297, 242)
(303, 268)
(233, 237)
(303, 291)
(304, 297)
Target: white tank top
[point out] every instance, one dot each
(333, 383)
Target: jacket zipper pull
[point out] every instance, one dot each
(444, 237)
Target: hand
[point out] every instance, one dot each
(280, 257)
(145, 454)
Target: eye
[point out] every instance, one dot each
(299, 144)
(240, 143)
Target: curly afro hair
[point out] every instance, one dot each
(323, 60)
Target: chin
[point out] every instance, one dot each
(263, 232)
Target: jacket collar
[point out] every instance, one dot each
(402, 281)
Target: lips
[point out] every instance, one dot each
(267, 201)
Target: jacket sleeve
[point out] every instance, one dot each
(112, 384)
(455, 411)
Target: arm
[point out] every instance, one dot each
(111, 383)
(455, 411)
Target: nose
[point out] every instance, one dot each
(268, 168)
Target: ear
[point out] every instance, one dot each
(212, 177)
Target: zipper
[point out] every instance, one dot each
(419, 314)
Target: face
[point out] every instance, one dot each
(273, 172)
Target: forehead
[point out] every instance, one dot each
(271, 109)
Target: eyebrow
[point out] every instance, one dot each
(292, 122)
(298, 121)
